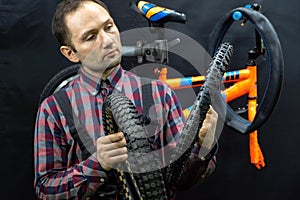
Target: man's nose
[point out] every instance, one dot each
(106, 39)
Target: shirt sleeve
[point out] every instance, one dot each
(197, 169)
(58, 173)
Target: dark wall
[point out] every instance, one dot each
(29, 57)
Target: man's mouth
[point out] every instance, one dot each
(111, 53)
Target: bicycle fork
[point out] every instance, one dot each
(256, 155)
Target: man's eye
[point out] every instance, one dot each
(90, 37)
(109, 27)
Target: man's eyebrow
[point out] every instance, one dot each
(89, 31)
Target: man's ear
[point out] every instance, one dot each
(69, 53)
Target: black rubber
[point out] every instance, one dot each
(275, 57)
(57, 80)
(208, 92)
(120, 111)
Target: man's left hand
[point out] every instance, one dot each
(208, 129)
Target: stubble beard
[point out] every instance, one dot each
(101, 68)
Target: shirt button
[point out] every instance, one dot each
(95, 92)
(102, 180)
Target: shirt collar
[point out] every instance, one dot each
(93, 84)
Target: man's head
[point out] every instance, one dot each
(87, 34)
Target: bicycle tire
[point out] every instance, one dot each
(275, 56)
(58, 81)
(120, 111)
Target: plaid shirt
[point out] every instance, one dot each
(62, 174)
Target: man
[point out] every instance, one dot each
(88, 35)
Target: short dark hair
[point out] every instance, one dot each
(59, 27)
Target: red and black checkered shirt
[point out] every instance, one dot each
(61, 174)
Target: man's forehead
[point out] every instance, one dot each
(87, 15)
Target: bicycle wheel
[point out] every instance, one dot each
(120, 113)
(59, 80)
(274, 62)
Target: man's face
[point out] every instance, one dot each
(95, 37)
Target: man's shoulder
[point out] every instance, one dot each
(50, 101)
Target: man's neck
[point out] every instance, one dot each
(102, 75)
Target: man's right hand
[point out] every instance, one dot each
(111, 149)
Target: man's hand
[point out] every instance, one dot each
(111, 149)
(208, 129)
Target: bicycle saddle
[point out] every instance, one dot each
(158, 15)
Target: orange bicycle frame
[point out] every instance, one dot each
(244, 83)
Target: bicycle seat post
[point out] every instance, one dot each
(157, 17)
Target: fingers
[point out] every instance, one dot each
(116, 137)
(202, 132)
(208, 129)
(111, 149)
(211, 114)
(211, 118)
(114, 156)
(116, 152)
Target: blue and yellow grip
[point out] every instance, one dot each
(153, 12)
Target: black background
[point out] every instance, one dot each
(29, 57)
